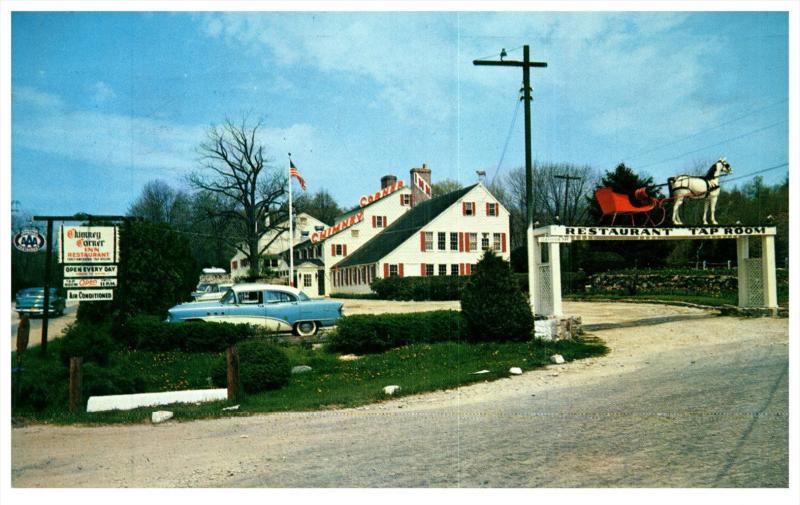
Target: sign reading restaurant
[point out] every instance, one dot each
(569, 233)
(342, 225)
(89, 244)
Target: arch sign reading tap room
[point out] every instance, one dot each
(90, 255)
(756, 276)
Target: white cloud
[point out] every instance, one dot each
(29, 96)
(125, 142)
(103, 92)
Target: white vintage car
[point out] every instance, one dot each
(209, 291)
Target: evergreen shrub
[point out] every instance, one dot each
(150, 333)
(368, 333)
(262, 366)
(92, 342)
(438, 287)
(493, 306)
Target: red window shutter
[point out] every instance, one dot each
(422, 269)
(422, 241)
(333, 250)
(385, 270)
(344, 250)
(460, 269)
(466, 242)
(400, 269)
(468, 267)
(503, 242)
(374, 224)
(385, 222)
(401, 199)
(463, 208)
(487, 208)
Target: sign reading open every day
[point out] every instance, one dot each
(90, 270)
(91, 283)
(90, 295)
(89, 244)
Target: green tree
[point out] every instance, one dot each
(493, 306)
(444, 186)
(321, 205)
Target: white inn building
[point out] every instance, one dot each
(398, 230)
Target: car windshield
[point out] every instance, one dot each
(229, 297)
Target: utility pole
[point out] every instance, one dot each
(567, 220)
(526, 65)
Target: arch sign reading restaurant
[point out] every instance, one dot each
(756, 276)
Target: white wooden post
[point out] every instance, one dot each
(742, 253)
(555, 277)
(768, 271)
(534, 260)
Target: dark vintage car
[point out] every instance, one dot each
(278, 308)
(31, 301)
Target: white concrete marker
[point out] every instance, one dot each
(129, 402)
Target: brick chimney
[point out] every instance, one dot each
(387, 180)
(421, 184)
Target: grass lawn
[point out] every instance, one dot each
(333, 383)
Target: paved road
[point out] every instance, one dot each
(55, 325)
(707, 409)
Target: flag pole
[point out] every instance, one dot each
(291, 226)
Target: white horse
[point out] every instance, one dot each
(689, 186)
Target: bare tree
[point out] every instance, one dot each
(251, 192)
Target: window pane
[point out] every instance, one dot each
(453, 241)
(442, 241)
(454, 269)
(442, 269)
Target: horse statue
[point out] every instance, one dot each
(689, 186)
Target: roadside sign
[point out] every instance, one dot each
(90, 295)
(29, 240)
(91, 283)
(89, 244)
(90, 271)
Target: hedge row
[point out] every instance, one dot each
(149, 333)
(419, 288)
(376, 333)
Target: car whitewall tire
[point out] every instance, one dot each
(306, 328)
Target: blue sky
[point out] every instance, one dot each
(104, 102)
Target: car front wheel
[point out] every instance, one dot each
(305, 328)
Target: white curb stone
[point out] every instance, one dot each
(390, 390)
(557, 359)
(515, 370)
(160, 416)
(301, 369)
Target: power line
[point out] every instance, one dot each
(716, 144)
(751, 174)
(750, 113)
(508, 138)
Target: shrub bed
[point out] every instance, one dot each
(418, 288)
(375, 333)
(149, 333)
(262, 366)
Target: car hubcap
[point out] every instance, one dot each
(306, 327)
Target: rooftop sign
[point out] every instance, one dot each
(347, 223)
(388, 190)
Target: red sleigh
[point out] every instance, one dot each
(648, 211)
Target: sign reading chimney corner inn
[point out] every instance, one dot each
(89, 255)
(88, 244)
(565, 234)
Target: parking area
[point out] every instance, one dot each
(55, 326)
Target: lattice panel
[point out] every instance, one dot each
(755, 283)
(545, 288)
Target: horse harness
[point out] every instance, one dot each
(710, 188)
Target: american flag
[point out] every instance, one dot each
(294, 173)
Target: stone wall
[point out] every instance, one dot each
(623, 283)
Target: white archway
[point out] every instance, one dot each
(756, 276)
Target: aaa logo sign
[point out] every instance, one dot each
(29, 240)
(89, 244)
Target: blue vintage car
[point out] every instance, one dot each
(31, 301)
(278, 308)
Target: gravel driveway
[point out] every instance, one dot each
(686, 400)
